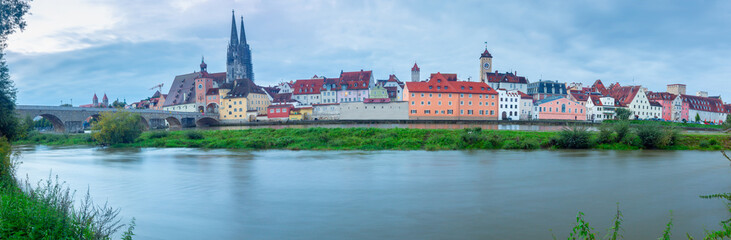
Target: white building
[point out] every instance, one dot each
(526, 106)
(635, 99)
(600, 108)
(509, 102)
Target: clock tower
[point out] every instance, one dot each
(485, 65)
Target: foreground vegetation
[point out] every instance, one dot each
(614, 137)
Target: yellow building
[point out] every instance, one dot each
(242, 100)
(304, 113)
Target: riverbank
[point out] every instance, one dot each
(375, 139)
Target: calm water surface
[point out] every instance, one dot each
(220, 194)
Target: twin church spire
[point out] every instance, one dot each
(238, 62)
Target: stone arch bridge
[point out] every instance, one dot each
(71, 119)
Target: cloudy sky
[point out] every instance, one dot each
(72, 49)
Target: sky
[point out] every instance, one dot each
(73, 49)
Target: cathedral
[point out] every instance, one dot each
(238, 59)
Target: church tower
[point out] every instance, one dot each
(485, 65)
(238, 59)
(415, 73)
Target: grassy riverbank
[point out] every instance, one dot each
(376, 139)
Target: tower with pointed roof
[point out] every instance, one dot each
(485, 64)
(415, 73)
(238, 59)
(95, 101)
(204, 66)
(105, 100)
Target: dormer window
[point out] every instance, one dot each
(462, 87)
(439, 80)
(430, 87)
(470, 88)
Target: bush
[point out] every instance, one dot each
(574, 138)
(622, 129)
(655, 136)
(117, 127)
(623, 113)
(606, 133)
(158, 134)
(194, 135)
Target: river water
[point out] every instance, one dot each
(222, 194)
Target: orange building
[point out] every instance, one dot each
(443, 97)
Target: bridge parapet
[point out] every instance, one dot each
(71, 119)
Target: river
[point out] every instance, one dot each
(223, 194)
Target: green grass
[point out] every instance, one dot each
(668, 124)
(371, 139)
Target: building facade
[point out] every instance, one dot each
(546, 88)
(374, 110)
(509, 104)
(559, 108)
(440, 98)
(238, 58)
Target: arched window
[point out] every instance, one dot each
(563, 108)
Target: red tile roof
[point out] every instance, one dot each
(438, 83)
(624, 95)
(579, 96)
(595, 99)
(355, 80)
(486, 54)
(448, 76)
(704, 103)
(598, 86)
(658, 96)
(212, 91)
(505, 78)
(415, 68)
(307, 86)
(282, 98)
(524, 96)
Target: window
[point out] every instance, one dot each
(450, 103)
(563, 108)
(461, 95)
(430, 95)
(461, 111)
(427, 111)
(413, 111)
(450, 112)
(422, 102)
(439, 95)
(469, 112)
(461, 102)
(422, 95)
(412, 103)
(469, 103)
(450, 95)
(428, 103)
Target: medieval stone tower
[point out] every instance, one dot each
(238, 59)
(485, 65)
(415, 73)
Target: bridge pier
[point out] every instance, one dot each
(74, 126)
(187, 122)
(157, 123)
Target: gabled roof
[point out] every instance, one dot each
(448, 76)
(356, 80)
(182, 87)
(505, 78)
(624, 95)
(307, 86)
(704, 103)
(596, 100)
(655, 104)
(579, 96)
(438, 83)
(282, 98)
(486, 54)
(524, 95)
(244, 87)
(599, 87)
(212, 91)
(415, 68)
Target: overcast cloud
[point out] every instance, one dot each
(75, 48)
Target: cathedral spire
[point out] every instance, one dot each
(234, 34)
(243, 33)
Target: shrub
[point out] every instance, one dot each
(606, 133)
(655, 136)
(623, 113)
(117, 127)
(158, 134)
(622, 129)
(574, 138)
(194, 135)
(704, 144)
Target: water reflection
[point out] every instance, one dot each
(220, 194)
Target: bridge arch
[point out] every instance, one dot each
(206, 121)
(144, 124)
(174, 123)
(212, 108)
(58, 125)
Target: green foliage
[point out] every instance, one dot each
(655, 137)
(697, 117)
(582, 230)
(158, 134)
(7, 165)
(574, 138)
(623, 113)
(727, 123)
(194, 135)
(127, 235)
(616, 226)
(666, 233)
(116, 127)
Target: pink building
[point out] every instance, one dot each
(559, 108)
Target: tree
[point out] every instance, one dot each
(727, 123)
(697, 117)
(11, 19)
(116, 127)
(623, 113)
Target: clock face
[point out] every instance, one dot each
(486, 66)
(200, 86)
